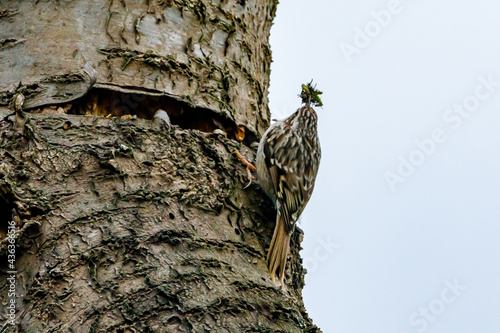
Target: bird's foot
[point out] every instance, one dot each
(249, 167)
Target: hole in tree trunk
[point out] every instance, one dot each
(111, 103)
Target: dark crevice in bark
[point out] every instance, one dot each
(6, 207)
(7, 13)
(113, 103)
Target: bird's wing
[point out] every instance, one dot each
(289, 170)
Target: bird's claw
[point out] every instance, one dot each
(249, 167)
(249, 183)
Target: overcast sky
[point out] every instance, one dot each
(402, 234)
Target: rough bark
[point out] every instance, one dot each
(209, 54)
(123, 225)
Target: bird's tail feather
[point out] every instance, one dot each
(278, 250)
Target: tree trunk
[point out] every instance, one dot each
(122, 223)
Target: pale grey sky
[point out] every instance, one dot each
(402, 233)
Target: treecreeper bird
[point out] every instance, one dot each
(287, 163)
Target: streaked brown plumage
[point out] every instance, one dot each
(287, 163)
